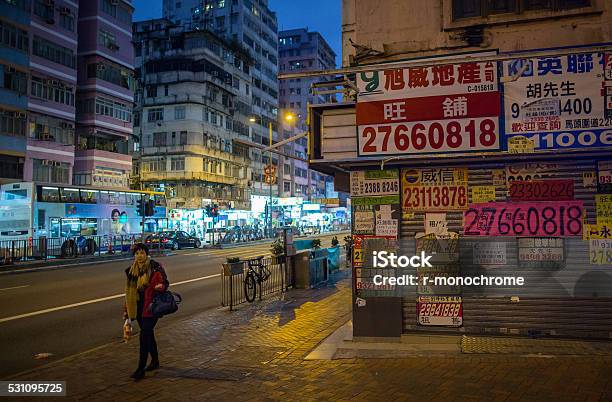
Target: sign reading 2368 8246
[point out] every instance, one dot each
(444, 108)
(560, 102)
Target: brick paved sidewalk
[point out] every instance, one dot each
(257, 353)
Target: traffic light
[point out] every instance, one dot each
(214, 211)
(140, 207)
(208, 211)
(149, 208)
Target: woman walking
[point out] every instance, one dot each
(144, 278)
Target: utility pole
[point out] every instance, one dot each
(270, 184)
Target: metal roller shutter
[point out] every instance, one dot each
(570, 298)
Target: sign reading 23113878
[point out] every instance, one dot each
(416, 110)
(560, 102)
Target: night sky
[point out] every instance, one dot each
(323, 16)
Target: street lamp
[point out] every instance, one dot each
(289, 118)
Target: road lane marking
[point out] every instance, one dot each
(59, 308)
(15, 287)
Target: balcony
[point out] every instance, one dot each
(186, 176)
(198, 150)
(12, 98)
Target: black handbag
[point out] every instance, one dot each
(165, 303)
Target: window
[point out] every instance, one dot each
(183, 139)
(107, 39)
(53, 52)
(177, 163)
(159, 139)
(482, 8)
(11, 167)
(12, 123)
(115, 75)
(13, 80)
(117, 110)
(52, 90)
(287, 186)
(165, 90)
(13, 37)
(179, 113)
(116, 10)
(49, 171)
(152, 91)
(43, 9)
(156, 114)
(44, 128)
(67, 21)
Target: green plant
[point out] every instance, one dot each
(335, 241)
(316, 244)
(277, 248)
(233, 260)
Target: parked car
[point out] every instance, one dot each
(174, 240)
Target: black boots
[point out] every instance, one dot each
(153, 366)
(137, 375)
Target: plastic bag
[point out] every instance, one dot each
(127, 330)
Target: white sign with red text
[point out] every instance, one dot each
(442, 108)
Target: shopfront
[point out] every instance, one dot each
(502, 174)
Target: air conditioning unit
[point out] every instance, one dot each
(113, 46)
(65, 11)
(50, 21)
(45, 162)
(55, 83)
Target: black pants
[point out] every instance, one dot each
(148, 346)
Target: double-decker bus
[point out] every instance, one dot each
(32, 211)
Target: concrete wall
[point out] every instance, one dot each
(402, 29)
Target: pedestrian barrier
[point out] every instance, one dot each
(233, 278)
(43, 248)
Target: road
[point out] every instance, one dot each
(73, 309)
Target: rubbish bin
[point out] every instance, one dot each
(301, 265)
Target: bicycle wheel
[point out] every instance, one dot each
(250, 288)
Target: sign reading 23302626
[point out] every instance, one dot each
(560, 102)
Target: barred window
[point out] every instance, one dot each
(53, 52)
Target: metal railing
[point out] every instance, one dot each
(233, 280)
(46, 248)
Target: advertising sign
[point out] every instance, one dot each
(542, 190)
(374, 182)
(363, 219)
(603, 209)
(540, 249)
(552, 218)
(483, 194)
(434, 189)
(529, 171)
(600, 252)
(604, 177)
(440, 311)
(597, 232)
(444, 108)
(489, 253)
(559, 102)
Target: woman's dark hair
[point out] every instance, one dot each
(140, 246)
(115, 211)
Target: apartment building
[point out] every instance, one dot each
(193, 103)
(253, 26)
(303, 50)
(57, 54)
(105, 94)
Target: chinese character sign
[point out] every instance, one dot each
(559, 102)
(443, 108)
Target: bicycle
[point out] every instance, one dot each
(257, 273)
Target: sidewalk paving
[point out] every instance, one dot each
(258, 353)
